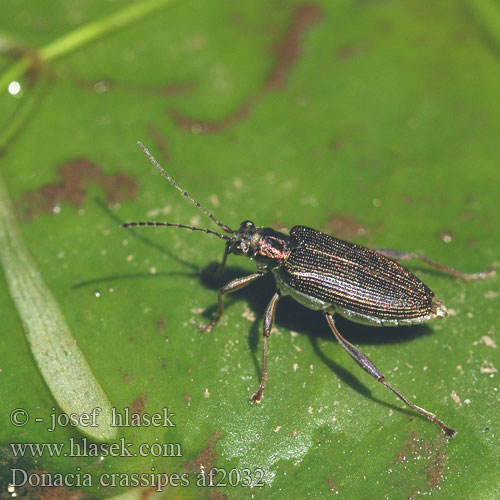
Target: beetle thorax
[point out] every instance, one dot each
(264, 245)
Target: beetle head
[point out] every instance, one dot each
(245, 239)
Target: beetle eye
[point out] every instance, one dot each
(243, 246)
(240, 247)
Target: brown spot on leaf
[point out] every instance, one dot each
(331, 485)
(287, 53)
(217, 495)
(160, 142)
(432, 454)
(347, 52)
(288, 50)
(205, 459)
(336, 144)
(344, 226)
(138, 404)
(161, 324)
(209, 127)
(147, 493)
(75, 176)
(435, 468)
(172, 89)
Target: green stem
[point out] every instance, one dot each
(81, 36)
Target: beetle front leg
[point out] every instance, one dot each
(398, 255)
(268, 325)
(222, 265)
(232, 286)
(368, 366)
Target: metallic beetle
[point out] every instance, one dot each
(329, 275)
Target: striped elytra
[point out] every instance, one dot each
(354, 277)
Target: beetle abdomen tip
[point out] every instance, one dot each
(438, 309)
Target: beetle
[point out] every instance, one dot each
(329, 275)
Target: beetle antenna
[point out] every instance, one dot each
(227, 229)
(182, 226)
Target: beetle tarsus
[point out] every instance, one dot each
(487, 273)
(449, 432)
(256, 398)
(205, 328)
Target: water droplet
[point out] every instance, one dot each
(14, 88)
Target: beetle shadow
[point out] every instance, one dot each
(141, 235)
(127, 276)
(293, 316)
(138, 234)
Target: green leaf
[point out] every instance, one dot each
(374, 121)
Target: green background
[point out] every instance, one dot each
(376, 121)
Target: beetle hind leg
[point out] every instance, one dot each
(268, 324)
(368, 366)
(398, 255)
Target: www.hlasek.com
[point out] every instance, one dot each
(85, 448)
